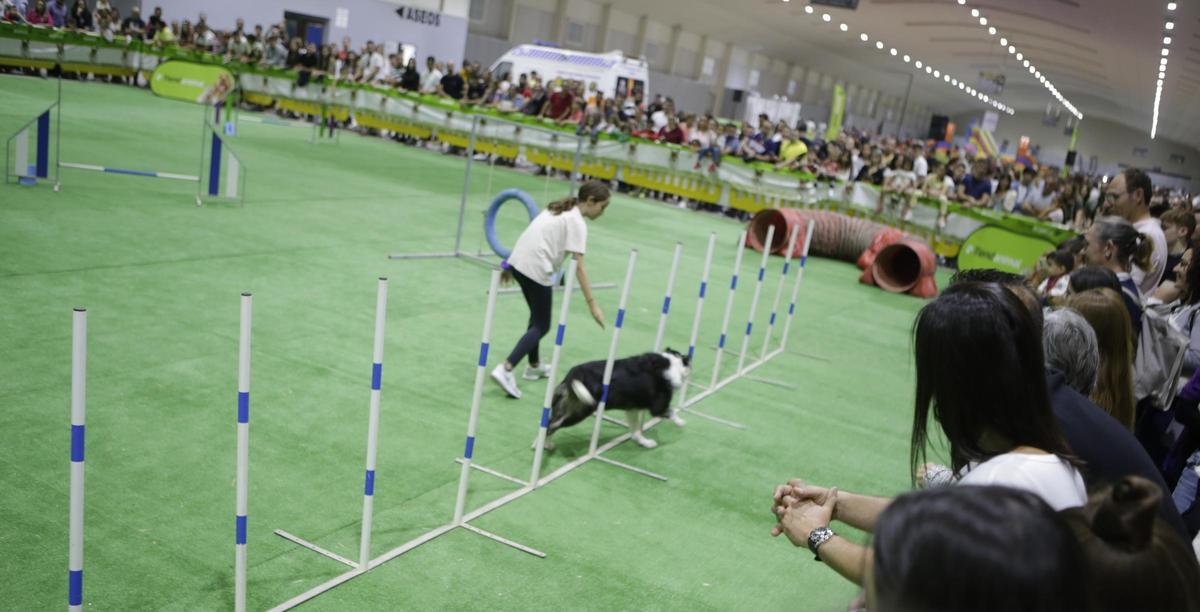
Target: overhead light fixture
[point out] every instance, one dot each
(826, 18)
(893, 51)
(1170, 6)
(937, 74)
(1003, 42)
(1166, 40)
(918, 64)
(1170, 25)
(983, 21)
(907, 58)
(992, 30)
(1011, 49)
(974, 12)
(863, 37)
(879, 45)
(1166, 52)
(808, 9)
(844, 27)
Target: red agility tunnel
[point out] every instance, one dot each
(906, 266)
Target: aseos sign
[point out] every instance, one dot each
(421, 16)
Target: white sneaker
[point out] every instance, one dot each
(537, 373)
(505, 379)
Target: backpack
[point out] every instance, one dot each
(1158, 357)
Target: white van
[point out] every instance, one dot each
(612, 72)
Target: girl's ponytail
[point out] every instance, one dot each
(563, 205)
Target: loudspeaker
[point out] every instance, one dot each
(937, 127)
(737, 96)
(1070, 163)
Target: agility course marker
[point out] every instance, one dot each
(737, 267)
(762, 272)
(243, 455)
(78, 419)
(691, 351)
(364, 541)
(540, 444)
(226, 173)
(18, 164)
(191, 178)
(787, 262)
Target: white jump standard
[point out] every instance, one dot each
(243, 455)
(78, 418)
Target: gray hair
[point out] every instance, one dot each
(1071, 347)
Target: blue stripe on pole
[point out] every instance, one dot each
(77, 443)
(369, 483)
(733, 283)
(131, 172)
(562, 330)
(470, 451)
(749, 326)
(620, 317)
(75, 587)
(376, 376)
(791, 309)
(761, 272)
(703, 288)
(214, 167)
(604, 394)
(666, 304)
(243, 406)
(483, 351)
(721, 344)
(43, 145)
(545, 416)
(803, 260)
(691, 351)
(772, 322)
(786, 265)
(241, 529)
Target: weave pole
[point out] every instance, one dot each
(540, 444)
(691, 351)
(612, 352)
(762, 272)
(666, 308)
(243, 455)
(737, 266)
(476, 396)
(787, 324)
(78, 414)
(787, 262)
(364, 540)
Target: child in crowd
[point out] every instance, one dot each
(705, 142)
(1057, 267)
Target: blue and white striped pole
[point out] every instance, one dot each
(480, 379)
(78, 413)
(787, 324)
(612, 348)
(243, 456)
(666, 308)
(364, 540)
(737, 266)
(762, 272)
(540, 444)
(691, 351)
(787, 262)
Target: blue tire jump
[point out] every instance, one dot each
(489, 223)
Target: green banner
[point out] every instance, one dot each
(1000, 249)
(836, 113)
(199, 83)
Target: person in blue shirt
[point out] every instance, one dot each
(975, 190)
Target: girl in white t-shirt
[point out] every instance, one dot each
(558, 231)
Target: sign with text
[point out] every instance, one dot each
(421, 16)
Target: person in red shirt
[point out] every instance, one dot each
(559, 106)
(39, 15)
(671, 133)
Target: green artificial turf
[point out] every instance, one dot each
(161, 278)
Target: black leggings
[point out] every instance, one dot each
(539, 298)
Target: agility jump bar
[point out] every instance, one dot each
(146, 173)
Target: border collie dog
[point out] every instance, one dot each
(642, 382)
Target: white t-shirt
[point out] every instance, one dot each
(375, 63)
(433, 78)
(1038, 199)
(543, 245)
(658, 119)
(1054, 480)
(920, 166)
(1147, 280)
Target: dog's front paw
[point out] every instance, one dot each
(645, 442)
(678, 420)
(548, 445)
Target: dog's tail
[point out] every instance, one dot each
(582, 394)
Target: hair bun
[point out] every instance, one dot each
(1125, 516)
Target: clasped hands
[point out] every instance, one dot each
(800, 508)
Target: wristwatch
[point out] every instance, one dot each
(816, 538)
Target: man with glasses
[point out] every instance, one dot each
(1128, 195)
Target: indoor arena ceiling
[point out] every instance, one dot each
(1101, 55)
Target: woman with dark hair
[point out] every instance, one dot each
(1115, 243)
(1132, 559)
(558, 232)
(80, 17)
(974, 548)
(1187, 282)
(1105, 312)
(1093, 277)
(411, 79)
(979, 370)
